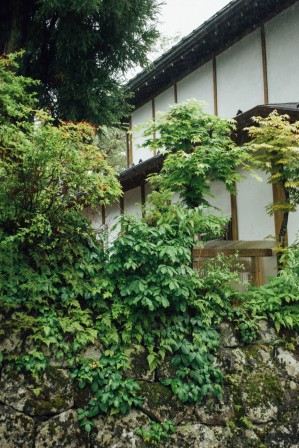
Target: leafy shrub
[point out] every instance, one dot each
(279, 299)
(157, 432)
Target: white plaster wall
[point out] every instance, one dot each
(132, 202)
(253, 221)
(164, 100)
(293, 227)
(270, 267)
(198, 85)
(220, 199)
(282, 46)
(112, 212)
(140, 116)
(240, 76)
(95, 216)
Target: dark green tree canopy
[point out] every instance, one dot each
(79, 49)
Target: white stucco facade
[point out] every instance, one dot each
(240, 76)
(262, 66)
(282, 42)
(198, 85)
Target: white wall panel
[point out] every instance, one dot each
(270, 267)
(240, 76)
(282, 44)
(132, 202)
(253, 221)
(220, 199)
(293, 227)
(95, 216)
(164, 100)
(198, 85)
(140, 116)
(112, 212)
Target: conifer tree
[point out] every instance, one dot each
(79, 50)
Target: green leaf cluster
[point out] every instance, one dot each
(198, 149)
(112, 392)
(278, 300)
(80, 50)
(157, 432)
(274, 146)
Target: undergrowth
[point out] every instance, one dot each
(61, 291)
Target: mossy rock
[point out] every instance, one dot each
(119, 431)
(60, 431)
(50, 394)
(160, 402)
(16, 429)
(139, 365)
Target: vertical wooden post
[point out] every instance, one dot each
(142, 193)
(153, 118)
(215, 87)
(264, 62)
(130, 149)
(257, 271)
(234, 213)
(278, 196)
(175, 91)
(103, 213)
(122, 204)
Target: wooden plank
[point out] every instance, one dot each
(142, 192)
(234, 213)
(240, 244)
(122, 205)
(130, 158)
(210, 253)
(153, 118)
(264, 63)
(278, 196)
(257, 271)
(242, 248)
(215, 87)
(175, 91)
(103, 215)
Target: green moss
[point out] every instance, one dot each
(156, 393)
(52, 429)
(58, 376)
(58, 402)
(262, 387)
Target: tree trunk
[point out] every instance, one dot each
(284, 224)
(15, 16)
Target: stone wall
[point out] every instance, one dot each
(259, 408)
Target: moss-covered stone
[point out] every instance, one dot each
(50, 394)
(16, 429)
(139, 365)
(60, 431)
(119, 431)
(160, 402)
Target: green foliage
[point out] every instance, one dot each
(34, 362)
(198, 151)
(16, 97)
(157, 432)
(274, 145)
(279, 299)
(79, 50)
(112, 143)
(112, 392)
(50, 259)
(61, 291)
(196, 375)
(159, 302)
